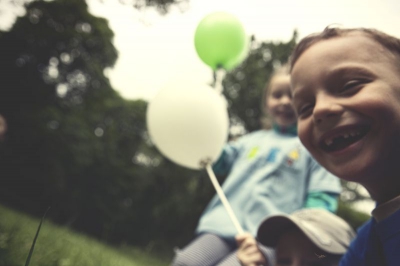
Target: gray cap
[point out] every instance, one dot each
(326, 230)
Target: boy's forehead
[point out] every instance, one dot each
(354, 47)
(359, 44)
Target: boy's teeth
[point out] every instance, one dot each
(329, 142)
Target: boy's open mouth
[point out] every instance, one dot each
(344, 138)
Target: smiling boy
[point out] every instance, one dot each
(346, 92)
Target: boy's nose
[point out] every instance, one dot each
(326, 109)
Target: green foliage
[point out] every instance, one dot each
(58, 246)
(76, 145)
(353, 217)
(353, 192)
(70, 148)
(162, 6)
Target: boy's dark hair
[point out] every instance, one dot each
(391, 43)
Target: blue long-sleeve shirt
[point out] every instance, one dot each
(376, 244)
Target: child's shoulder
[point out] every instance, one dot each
(254, 135)
(270, 138)
(262, 133)
(259, 136)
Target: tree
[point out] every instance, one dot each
(74, 144)
(52, 61)
(162, 6)
(59, 107)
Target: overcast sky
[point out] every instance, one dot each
(157, 51)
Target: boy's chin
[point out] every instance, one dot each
(351, 177)
(358, 172)
(353, 172)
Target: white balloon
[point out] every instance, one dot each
(188, 125)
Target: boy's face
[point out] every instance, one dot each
(346, 92)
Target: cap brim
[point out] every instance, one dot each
(272, 228)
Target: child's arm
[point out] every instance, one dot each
(227, 158)
(248, 252)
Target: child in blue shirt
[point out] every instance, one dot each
(346, 92)
(269, 172)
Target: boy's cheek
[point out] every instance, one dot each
(304, 134)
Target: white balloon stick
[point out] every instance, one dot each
(222, 197)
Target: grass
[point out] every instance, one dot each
(59, 246)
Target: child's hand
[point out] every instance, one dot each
(248, 252)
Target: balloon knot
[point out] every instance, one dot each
(205, 162)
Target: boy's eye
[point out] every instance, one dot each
(305, 110)
(352, 86)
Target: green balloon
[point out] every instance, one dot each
(221, 41)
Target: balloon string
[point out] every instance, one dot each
(218, 77)
(223, 198)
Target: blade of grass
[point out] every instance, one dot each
(34, 240)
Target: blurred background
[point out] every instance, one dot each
(76, 77)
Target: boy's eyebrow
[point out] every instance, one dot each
(346, 70)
